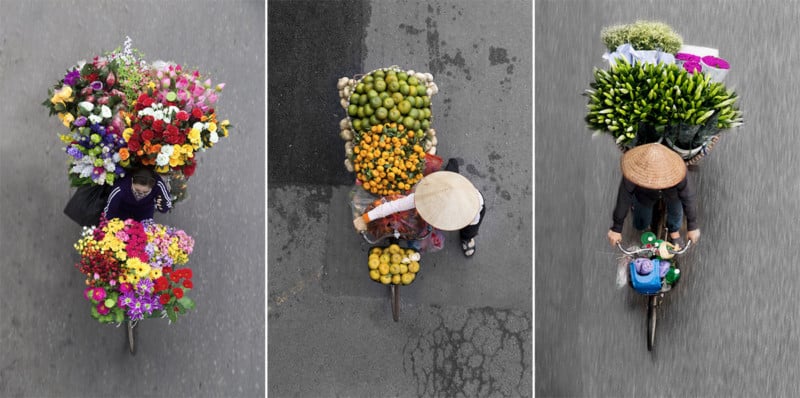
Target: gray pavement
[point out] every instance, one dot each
(465, 326)
(49, 345)
(730, 329)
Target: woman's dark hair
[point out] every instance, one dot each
(143, 176)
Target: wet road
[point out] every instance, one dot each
(731, 328)
(465, 325)
(49, 344)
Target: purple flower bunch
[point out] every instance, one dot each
(690, 62)
(694, 63)
(139, 300)
(94, 152)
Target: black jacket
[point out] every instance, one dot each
(684, 191)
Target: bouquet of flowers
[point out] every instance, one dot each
(172, 119)
(651, 93)
(133, 270)
(87, 100)
(122, 112)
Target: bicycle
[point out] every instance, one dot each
(654, 299)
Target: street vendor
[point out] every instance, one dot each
(137, 196)
(650, 172)
(444, 199)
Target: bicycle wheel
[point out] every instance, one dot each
(394, 292)
(651, 322)
(131, 332)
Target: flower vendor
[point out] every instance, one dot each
(444, 199)
(650, 172)
(137, 196)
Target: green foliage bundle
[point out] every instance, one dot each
(642, 35)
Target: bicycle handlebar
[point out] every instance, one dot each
(652, 249)
(396, 234)
(365, 235)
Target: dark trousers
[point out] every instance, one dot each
(643, 215)
(470, 231)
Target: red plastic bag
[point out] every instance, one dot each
(433, 164)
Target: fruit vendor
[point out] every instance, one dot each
(650, 172)
(137, 196)
(445, 199)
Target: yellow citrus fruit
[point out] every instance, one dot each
(410, 252)
(403, 268)
(374, 275)
(396, 258)
(386, 279)
(394, 268)
(396, 279)
(413, 267)
(407, 278)
(373, 263)
(383, 268)
(385, 258)
(394, 248)
(375, 250)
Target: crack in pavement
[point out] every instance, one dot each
(484, 356)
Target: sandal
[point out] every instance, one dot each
(468, 247)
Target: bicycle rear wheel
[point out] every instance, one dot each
(394, 293)
(651, 321)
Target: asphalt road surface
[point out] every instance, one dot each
(730, 328)
(49, 344)
(465, 325)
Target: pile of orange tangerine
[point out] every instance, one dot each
(388, 159)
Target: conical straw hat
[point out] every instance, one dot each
(446, 200)
(653, 166)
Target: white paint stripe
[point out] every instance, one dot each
(111, 196)
(165, 194)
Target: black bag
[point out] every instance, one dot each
(87, 204)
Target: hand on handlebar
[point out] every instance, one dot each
(693, 235)
(614, 237)
(360, 224)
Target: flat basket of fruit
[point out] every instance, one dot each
(393, 264)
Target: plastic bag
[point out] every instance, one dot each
(408, 223)
(87, 203)
(433, 164)
(433, 242)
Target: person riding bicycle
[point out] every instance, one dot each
(137, 196)
(444, 199)
(651, 172)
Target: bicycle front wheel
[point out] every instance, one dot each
(651, 321)
(131, 332)
(394, 293)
